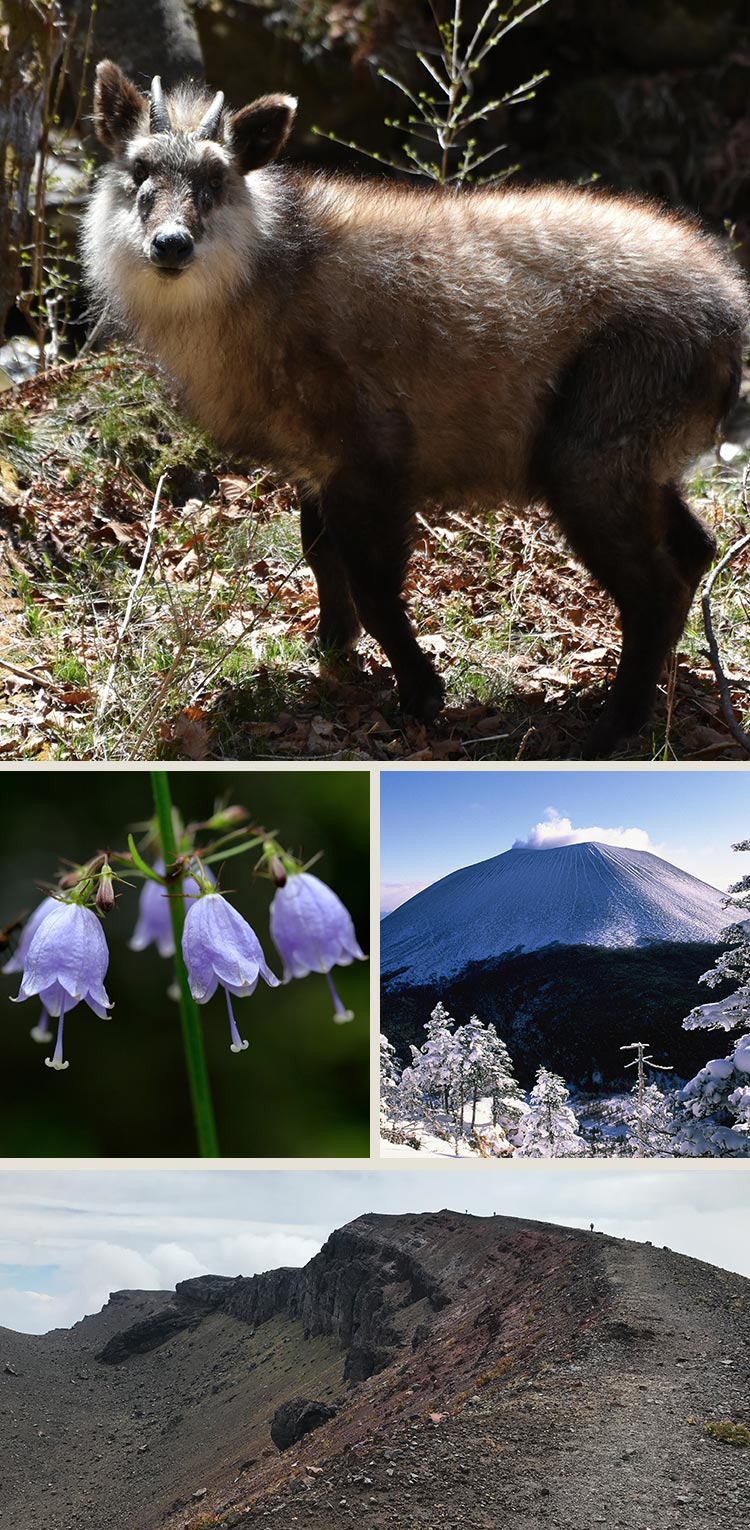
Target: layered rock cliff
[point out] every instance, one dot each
(359, 1290)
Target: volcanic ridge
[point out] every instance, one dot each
(421, 1370)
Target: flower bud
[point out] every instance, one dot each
(277, 872)
(227, 818)
(105, 892)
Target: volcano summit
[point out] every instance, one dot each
(525, 900)
(565, 950)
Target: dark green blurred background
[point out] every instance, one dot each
(301, 1088)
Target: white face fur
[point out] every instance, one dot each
(172, 186)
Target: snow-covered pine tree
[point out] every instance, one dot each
(432, 1062)
(650, 1123)
(426, 1081)
(508, 1098)
(648, 1115)
(716, 1103)
(733, 965)
(715, 1117)
(549, 1128)
(390, 1078)
(471, 1070)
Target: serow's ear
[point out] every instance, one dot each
(258, 133)
(118, 106)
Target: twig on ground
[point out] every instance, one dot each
(728, 711)
(433, 531)
(45, 681)
(158, 699)
(106, 693)
(250, 626)
(671, 694)
(528, 735)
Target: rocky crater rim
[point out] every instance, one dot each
(374, 1282)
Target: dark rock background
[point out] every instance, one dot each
(296, 1418)
(648, 95)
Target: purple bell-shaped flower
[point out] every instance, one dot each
(220, 948)
(41, 1031)
(154, 922)
(313, 932)
(65, 963)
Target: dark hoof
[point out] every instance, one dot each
(339, 627)
(333, 647)
(339, 642)
(425, 701)
(607, 735)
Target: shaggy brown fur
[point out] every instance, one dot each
(386, 347)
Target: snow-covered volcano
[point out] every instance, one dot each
(525, 900)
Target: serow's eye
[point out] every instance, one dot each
(140, 171)
(216, 182)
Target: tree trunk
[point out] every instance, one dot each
(31, 42)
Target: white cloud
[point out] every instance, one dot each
(393, 894)
(554, 830)
(70, 1237)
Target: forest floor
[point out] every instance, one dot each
(186, 631)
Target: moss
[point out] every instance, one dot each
(16, 434)
(727, 1432)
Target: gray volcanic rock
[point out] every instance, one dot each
(139, 1338)
(296, 1418)
(355, 1288)
(528, 900)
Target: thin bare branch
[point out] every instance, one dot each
(514, 21)
(107, 692)
(728, 711)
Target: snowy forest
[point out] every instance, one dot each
(459, 1094)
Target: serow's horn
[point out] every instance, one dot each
(208, 127)
(158, 116)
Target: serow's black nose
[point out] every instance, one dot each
(171, 249)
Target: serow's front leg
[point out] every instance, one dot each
(338, 625)
(370, 524)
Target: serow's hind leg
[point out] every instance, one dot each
(369, 522)
(338, 624)
(625, 534)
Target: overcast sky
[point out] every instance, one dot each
(69, 1237)
(433, 822)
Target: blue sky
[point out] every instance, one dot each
(68, 1237)
(432, 822)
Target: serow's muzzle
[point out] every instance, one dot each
(171, 250)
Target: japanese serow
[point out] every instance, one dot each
(388, 348)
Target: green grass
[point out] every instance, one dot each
(69, 670)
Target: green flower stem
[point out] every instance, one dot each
(192, 1037)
